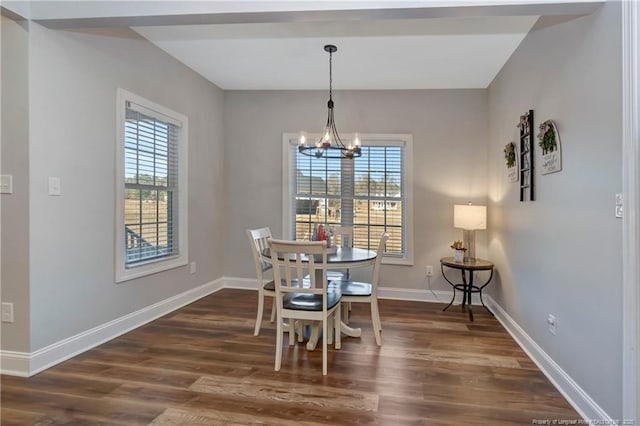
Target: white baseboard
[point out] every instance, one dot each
(573, 393)
(240, 283)
(28, 364)
(14, 363)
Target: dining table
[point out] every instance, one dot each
(337, 258)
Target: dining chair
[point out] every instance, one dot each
(259, 241)
(342, 237)
(363, 292)
(291, 261)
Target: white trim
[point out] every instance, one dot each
(28, 364)
(240, 283)
(631, 214)
(121, 273)
(14, 363)
(588, 409)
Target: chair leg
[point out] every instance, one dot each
(256, 331)
(292, 331)
(280, 331)
(324, 346)
(375, 320)
(300, 331)
(337, 326)
(273, 310)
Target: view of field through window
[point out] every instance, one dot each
(365, 194)
(150, 176)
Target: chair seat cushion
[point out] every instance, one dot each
(352, 288)
(309, 302)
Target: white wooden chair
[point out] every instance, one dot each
(292, 260)
(362, 292)
(342, 237)
(259, 241)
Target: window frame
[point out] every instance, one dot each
(151, 266)
(290, 140)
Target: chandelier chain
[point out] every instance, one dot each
(330, 73)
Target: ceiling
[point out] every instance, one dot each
(434, 53)
(276, 45)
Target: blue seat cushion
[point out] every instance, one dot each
(352, 288)
(309, 302)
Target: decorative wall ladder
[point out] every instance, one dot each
(526, 157)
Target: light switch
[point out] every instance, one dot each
(54, 186)
(619, 203)
(6, 184)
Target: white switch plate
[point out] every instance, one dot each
(7, 312)
(6, 184)
(55, 186)
(619, 203)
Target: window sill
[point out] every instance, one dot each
(150, 268)
(403, 261)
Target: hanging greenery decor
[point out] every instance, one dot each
(547, 137)
(510, 154)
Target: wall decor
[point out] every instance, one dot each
(526, 157)
(510, 156)
(549, 141)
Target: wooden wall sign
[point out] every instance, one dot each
(549, 141)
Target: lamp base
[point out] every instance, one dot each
(469, 241)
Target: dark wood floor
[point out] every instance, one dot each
(201, 365)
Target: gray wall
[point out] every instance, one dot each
(73, 80)
(14, 244)
(449, 129)
(561, 254)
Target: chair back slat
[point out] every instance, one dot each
(294, 260)
(376, 266)
(342, 236)
(260, 241)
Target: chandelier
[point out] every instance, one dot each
(330, 145)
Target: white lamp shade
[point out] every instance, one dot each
(469, 217)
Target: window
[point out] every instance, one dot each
(151, 188)
(372, 193)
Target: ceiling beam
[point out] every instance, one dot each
(534, 9)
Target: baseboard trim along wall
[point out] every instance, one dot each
(27, 364)
(573, 393)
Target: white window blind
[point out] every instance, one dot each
(371, 193)
(151, 188)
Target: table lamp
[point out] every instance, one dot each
(469, 218)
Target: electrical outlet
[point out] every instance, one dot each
(7, 312)
(429, 270)
(193, 267)
(552, 323)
